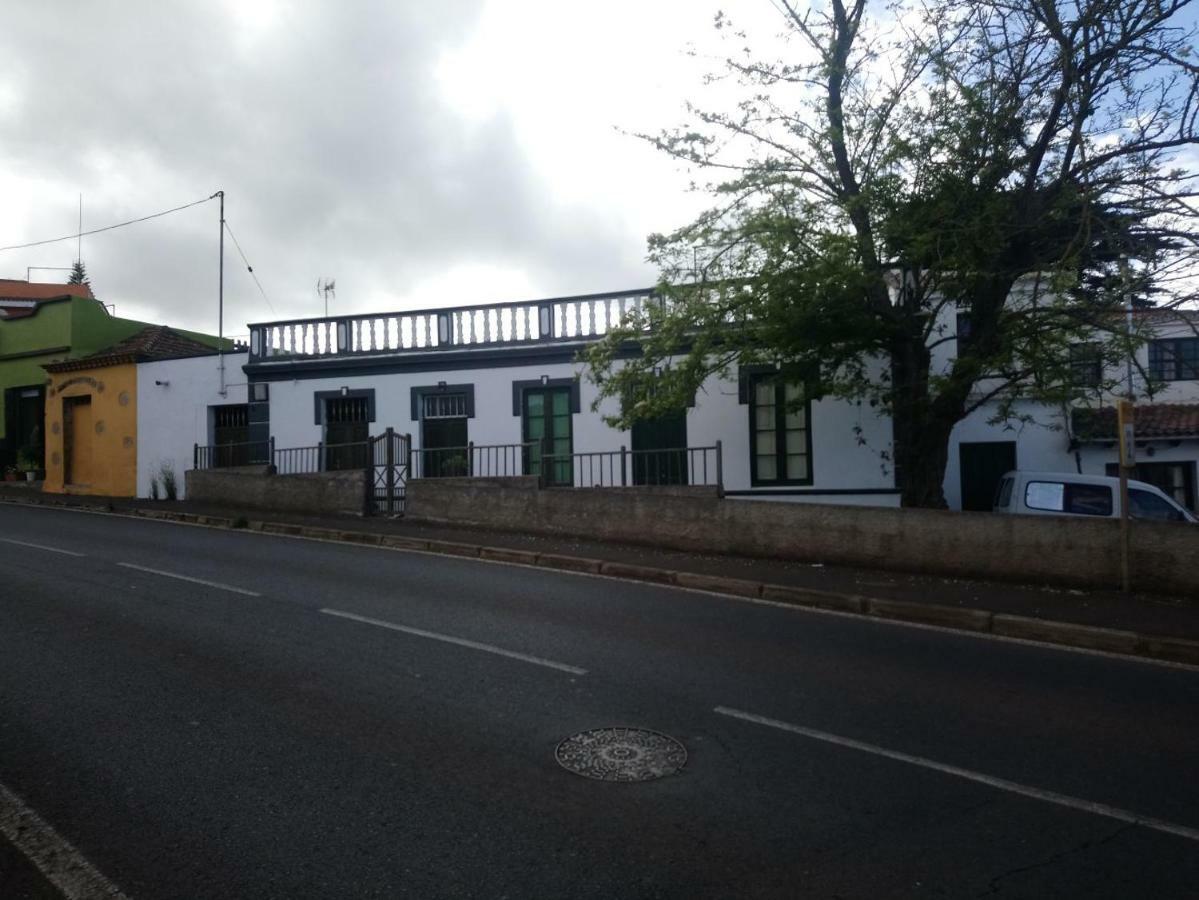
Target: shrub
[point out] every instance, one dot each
(170, 485)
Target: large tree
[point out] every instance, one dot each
(1022, 162)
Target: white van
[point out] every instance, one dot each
(1066, 494)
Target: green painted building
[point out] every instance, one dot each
(39, 324)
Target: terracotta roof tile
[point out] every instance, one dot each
(14, 289)
(153, 342)
(1153, 420)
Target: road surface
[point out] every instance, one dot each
(199, 713)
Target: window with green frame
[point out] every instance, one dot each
(780, 439)
(547, 426)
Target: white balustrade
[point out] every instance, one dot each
(497, 325)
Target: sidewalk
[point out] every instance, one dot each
(934, 600)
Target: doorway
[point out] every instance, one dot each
(651, 439)
(347, 430)
(983, 464)
(77, 440)
(24, 413)
(546, 425)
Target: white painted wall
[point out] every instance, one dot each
(173, 416)
(292, 410)
(1041, 445)
(1044, 443)
(841, 458)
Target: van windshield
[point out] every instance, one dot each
(1004, 495)
(1145, 505)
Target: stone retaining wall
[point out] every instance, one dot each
(1045, 549)
(257, 487)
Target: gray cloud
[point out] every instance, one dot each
(327, 133)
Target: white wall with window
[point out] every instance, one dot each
(834, 451)
(176, 399)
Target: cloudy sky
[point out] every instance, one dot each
(421, 154)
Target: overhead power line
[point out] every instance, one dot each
(77, 235)
(249, 268)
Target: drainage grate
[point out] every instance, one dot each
(621, 754)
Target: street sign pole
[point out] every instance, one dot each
(1128, 459)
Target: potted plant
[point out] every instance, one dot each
(10, 473)
(27, 461)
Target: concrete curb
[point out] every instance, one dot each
(1045, 631)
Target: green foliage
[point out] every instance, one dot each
(896, 167)
(170, 484)
(29, 458)
(78, 274)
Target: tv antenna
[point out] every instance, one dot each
(326, 286)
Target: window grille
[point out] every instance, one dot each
(1176, 359)
(345, 410)
(444, 406)
(230, 417)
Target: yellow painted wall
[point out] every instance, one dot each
(107, 455)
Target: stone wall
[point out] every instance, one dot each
(1038, 549)
(256, 487)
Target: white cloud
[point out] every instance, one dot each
(421, 154)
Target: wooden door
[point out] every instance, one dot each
(77, 440)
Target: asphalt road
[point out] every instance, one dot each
(238, 735)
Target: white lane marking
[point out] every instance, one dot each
(61, 864)
(735, 598)
(1098, 809)
(211, 584)
(41, 547)
(461, 642)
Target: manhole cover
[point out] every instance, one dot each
(621, 754)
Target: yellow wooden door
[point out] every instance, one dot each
(77, 413)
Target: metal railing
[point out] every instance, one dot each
(628, 468)
(476, 460)
(320, 458)
(697, 466)
(564, 319)
(224, 456)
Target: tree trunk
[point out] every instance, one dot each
(922, 426)
(920, 462)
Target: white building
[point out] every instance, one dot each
(1082, 438)
(506, 377)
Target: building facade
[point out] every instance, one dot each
(488, 379)
(91, 413)
(1163, 380)
(42, 324)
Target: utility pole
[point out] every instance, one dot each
(220, 345)
(1126, 438)
(79, 234)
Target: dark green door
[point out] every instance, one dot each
(546, 424)
(659, 454)
(982, 465)
(347, 431)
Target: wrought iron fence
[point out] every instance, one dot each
(321, 458)
(602, 468)
(477, 460)
(224, 456)
(626, 468)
